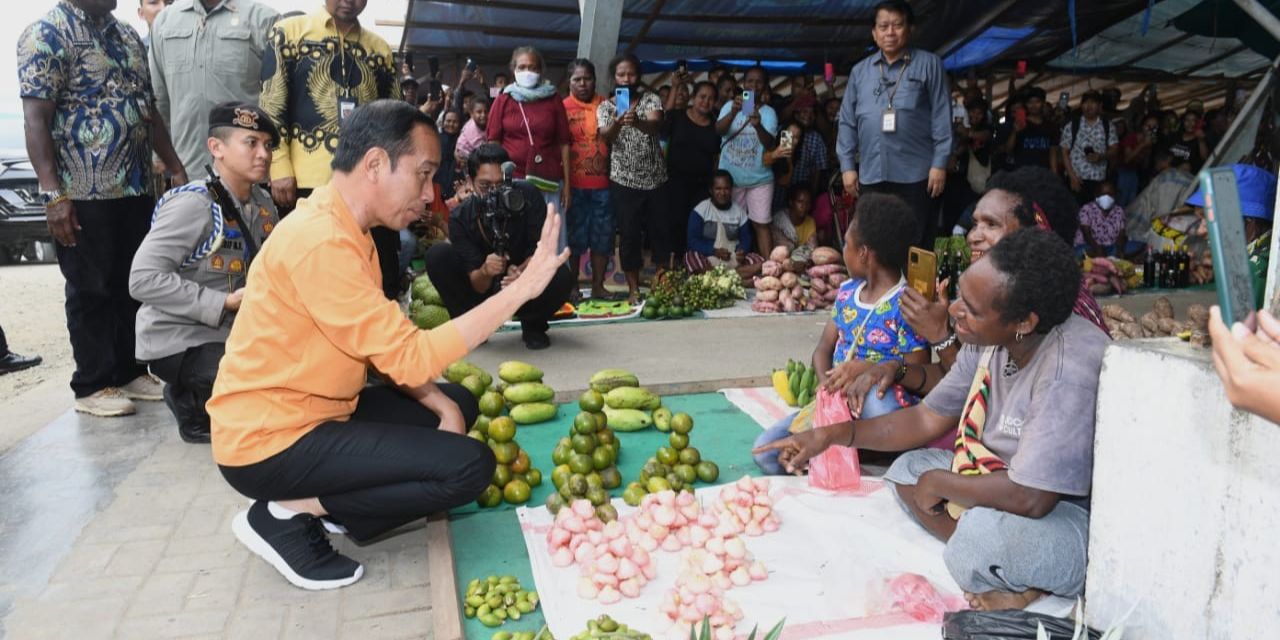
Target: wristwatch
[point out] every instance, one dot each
(51, 197)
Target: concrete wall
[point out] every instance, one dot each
(1186, 502)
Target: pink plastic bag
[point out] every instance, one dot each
(837, 468)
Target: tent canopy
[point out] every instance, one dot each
(1197, 45)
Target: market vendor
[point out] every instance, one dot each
(190, 269)
(294, 425)
(719, 232)
(492, 237)
(1011, 500)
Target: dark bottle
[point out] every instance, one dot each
(1149, 270)
(1184, 268)
(1160, 261)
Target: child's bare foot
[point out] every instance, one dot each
(1001, 600)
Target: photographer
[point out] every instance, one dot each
(491, 238)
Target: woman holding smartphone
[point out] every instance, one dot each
(630, 123)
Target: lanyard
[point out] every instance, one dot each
(342, 61)
(906, 60)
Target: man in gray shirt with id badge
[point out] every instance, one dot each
(189, 273)
(895, 121)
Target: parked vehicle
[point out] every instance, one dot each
(23, 230)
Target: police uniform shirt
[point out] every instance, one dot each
(182, 299)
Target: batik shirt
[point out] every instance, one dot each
(96, 75)
(308, 66)
(871, 333)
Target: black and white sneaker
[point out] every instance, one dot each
(298, 548)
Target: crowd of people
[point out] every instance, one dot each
(264, 294)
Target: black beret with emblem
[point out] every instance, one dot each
(243, 115)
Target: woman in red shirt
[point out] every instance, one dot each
(528, 119)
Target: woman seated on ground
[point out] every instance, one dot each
(1029, 197)
(866, 324)
(720, 232)
(1024, 387)
(794, 226)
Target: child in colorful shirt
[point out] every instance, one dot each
(866, 321)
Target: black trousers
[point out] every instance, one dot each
(189, 376)
(916, 195)
(100, 313)
(447, 273)
(641, 212)
(388, 245)
(684, 192)
(386, 466)
(4, 344)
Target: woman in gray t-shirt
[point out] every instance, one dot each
(1011, 500)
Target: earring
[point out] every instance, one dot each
(1018, 336)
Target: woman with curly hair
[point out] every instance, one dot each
(1028, 197)
(1011, 499)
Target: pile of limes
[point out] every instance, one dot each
(676, 466)
(587, 460)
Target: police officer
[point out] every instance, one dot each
(189, 273)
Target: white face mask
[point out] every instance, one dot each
(1105, 201)
(527, 79)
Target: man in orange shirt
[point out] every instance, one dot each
(294, 427)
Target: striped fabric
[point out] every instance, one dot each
(697, 263)
(973, 458)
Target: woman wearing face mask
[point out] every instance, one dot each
(529, 121)
(1028, 197)
(1101, 223)
(691, 158)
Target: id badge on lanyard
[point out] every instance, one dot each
(345, 107)
(888, 121)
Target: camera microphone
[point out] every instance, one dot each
(508, 171)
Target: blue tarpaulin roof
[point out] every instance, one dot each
(986, 47)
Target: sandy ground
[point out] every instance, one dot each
(31, 297)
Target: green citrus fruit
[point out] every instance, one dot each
(657, 484)
(591, 401)
(611, 478)
(606, 437)
(502, 429)
(649, 313)
(675, 481)
(581, 463)
(633, 494)
(597, 496)
(583, 443)
(505, 452)
(594, 481)
(555, 502)
(667, 455)
(707, 471)
(491, 497)
(681, 423)
(521, 463)
(602, 420)
(474, 384)
(560, 455)
(482, 425)
(678, 441)
(492, 404)
(534, 476)
(516, 492)
(606, 513)
(578, 485)
(602, 458)
(686, 473)
(690, 456)
(560, 474)
(584, 423)
(476, 435)
(501, 475)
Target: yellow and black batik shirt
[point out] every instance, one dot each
(308, 68)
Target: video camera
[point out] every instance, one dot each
(503, 202)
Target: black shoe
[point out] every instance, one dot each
(13, 362)
(298, 548)
(536, 340)
(193, 423)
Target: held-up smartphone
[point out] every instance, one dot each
(471, 65)
(829, 72)
(622, 100)
(922, 272)
(1231, 275)
(1019, 117)
(748, 103)
(1063, 99)
(788, 139)
(494, 92)
(437, 90)
(433, 64)
(682, 66)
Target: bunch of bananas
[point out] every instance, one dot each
(797, 384)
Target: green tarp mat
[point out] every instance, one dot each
(488, 542)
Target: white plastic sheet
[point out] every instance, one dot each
(828, 566)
